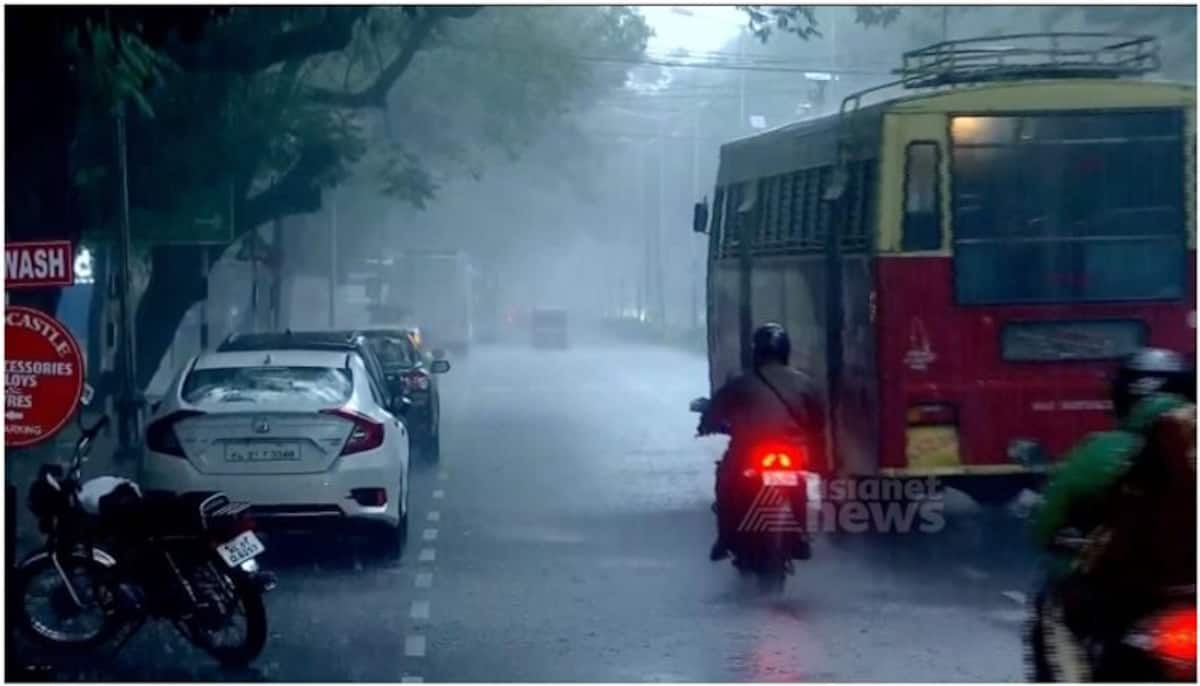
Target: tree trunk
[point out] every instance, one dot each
(97, 313)
(176, 283)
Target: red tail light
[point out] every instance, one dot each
(366, 434)
(246, 523)
(417, 381)
(160, 435)
(1172, 637)
(785, 458)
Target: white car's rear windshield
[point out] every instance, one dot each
(325, 385)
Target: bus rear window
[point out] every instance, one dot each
(1068, 207)
(1081, 340)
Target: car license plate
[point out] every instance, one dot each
(262, 452)
(245, 547)
(776, 478)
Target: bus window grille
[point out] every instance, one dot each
(766, 223)
(786, 205)
(821, 209)
(811, 200)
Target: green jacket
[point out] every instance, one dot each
(1073, 498)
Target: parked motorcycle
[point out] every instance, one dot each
(114, 558)
(763, 492)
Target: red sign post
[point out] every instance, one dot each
(43, 376)
(37, 264)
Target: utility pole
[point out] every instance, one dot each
(276, 257)
(644, 216)
(204, 267)
(695, 271)
(945, 23)
(128, 403)
(660, 296)
(253, 236)
(741, 83)
(333, 259)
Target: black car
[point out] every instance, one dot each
(409, 370)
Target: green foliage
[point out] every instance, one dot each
(801, 20)
(117, 66)
(463, 85)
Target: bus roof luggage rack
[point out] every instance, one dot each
(1029, 56)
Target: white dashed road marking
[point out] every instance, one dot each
(434, 516)
(412, 680)
(439, 494)
(424, 580)
(973, 573)
(414, 646)
(429, 534)
(420, 609)
(442, 476)
(1015, 596)
(428, 555)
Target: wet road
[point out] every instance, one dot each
(563, 537)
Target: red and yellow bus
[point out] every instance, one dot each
(960, 267)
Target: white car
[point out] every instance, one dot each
(299, 434)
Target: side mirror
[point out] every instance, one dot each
(700, 217)
(440, 366)
(699, 405)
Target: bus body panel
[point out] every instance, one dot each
(932, 351)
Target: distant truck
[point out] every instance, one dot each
(433, 290)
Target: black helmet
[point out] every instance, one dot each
(771, 344)
(1148, 371)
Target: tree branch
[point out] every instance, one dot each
(223, 53)
(298, 192)
(375, 95)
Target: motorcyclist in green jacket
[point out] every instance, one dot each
(1149, 383)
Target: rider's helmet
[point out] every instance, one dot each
(1149, 371)
(771, 344)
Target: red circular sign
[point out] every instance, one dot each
(43, 376)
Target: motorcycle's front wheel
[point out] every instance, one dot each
(69, 600)
(230, 621)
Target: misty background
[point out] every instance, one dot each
(562, 148)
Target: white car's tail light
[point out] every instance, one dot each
(161, 437)
(365, 434)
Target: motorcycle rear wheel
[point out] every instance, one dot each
(772, 561)
(235, 592)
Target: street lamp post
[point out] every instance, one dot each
(128, 397)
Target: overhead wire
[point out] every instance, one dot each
(675, 63)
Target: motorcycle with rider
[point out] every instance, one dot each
(775, 423)
(1118, 524)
